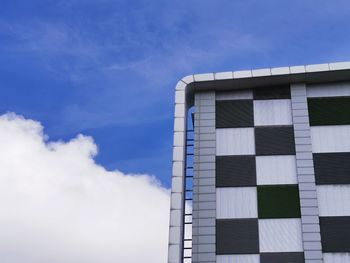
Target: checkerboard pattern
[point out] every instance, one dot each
(329, 114)
(257, 196)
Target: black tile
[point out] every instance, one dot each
(329, 111)
(237, 236)
(279, 92)
(335, 233)
(274, 140)
(332, 168)
(235, 171)
(234, 113)
(278, 201)
(285, 257)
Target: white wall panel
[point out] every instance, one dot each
(236, 202)
(235, 141)
(276, 170)
(335, 138)
(280, 235)
(238, 258)
(234, 95)
(329, 90)
(336, 257)
(334, 200)
(272, 112)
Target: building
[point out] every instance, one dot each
(268, 178)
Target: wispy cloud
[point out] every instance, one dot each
(111, 60)
(135, 52)
(155, 50)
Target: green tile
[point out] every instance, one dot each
(329, 111)
(278, 201)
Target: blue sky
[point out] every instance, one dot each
(108, 68)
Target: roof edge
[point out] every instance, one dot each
(188, 82)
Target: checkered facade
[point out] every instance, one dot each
(272, 175)
(258, 215)
(329, 114)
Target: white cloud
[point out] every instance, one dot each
(57, 205)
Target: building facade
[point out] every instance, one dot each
(264, 174)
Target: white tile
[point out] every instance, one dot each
(181, 85)
(234, 95)
(179, 124)
(180, 96)
(177, 185)
(336, 257)
(174, 235)
(330, 138)
(339, 66)
(328, 90)
(179, 138)
(178, 153)
(176, 201)
(271, 170)
(280, 71)
(174, 253)
(297, 69)
(236, 202)
(224, 75)
(242, 74)
(235, 141)
(261, 72)
(272, 112)
(179, 110)
(317, 67)
(253, 258)
(280, 235)
(204, 77)
(178, 169)
(175, 217)
(333, 200)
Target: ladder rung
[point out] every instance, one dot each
(188, 169)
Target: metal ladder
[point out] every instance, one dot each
(188, 190)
